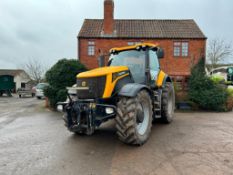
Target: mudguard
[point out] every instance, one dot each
(162, 79)
(131, 89)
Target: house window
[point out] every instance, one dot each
(181, 49)
(91, 48)
(23, 85)
(177, 49)
(133, 43)
(185, 48)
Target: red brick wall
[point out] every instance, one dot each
(176, 66)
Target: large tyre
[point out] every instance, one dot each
(168, 103)
(134, 118)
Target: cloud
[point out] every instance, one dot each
(47, 29)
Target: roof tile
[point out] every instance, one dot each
(92, 28)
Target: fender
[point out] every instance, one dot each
(162, 79)
(132, 89)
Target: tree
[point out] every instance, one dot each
(61, 75)
(204, 92)
(35, 70)
(217, 51)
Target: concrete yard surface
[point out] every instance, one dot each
(34, 141)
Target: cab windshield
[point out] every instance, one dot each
(134, 60)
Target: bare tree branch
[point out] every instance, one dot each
(218, 50)
(35, 69)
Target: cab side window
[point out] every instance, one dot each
(154, 62)
(154, 66)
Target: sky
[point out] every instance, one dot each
(47, 29)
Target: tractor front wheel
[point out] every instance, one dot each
(134, 118)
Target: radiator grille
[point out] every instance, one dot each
(91, 88)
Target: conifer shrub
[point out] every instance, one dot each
(204, 92)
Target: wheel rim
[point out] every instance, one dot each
(142, 122)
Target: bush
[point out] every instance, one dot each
(217, 79)
(229, 103)
(230, 91)
(61, 75)
(204, 92)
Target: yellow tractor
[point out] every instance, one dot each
(132, 89)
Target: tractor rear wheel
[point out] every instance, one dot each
(168, 103)
(134, 118)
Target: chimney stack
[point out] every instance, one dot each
(108, 17)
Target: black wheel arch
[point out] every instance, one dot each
(132, 89)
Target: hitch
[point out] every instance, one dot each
(80, 117)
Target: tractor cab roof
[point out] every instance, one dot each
(134, 47)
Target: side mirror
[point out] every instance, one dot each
(101, 61)
(160, 53)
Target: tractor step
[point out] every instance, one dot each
(157, 99)
(157, 103)
(157, 116)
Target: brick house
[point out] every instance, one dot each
(182, 40)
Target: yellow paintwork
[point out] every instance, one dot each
(133, 47)
(109, 87)
(106, 71)
(160, 78)
(102, 71)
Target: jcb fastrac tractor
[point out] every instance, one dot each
(131, 89)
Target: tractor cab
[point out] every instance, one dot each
(142, 61)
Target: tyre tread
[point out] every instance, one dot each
(126, 120)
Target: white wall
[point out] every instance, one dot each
(21, 78)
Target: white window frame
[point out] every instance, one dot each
(131, 43)
(91, 48)
(180, 48)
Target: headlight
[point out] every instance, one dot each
(109, 110)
